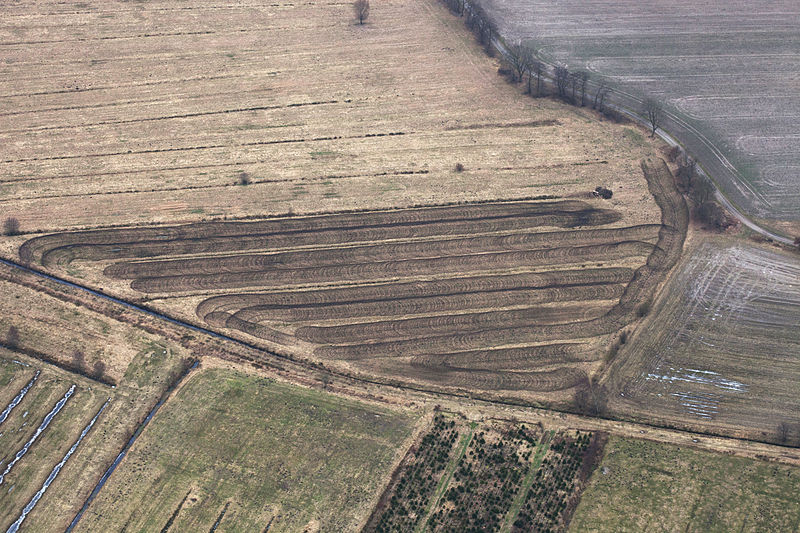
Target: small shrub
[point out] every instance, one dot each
(603, 193)
(623, 337)
(244, 179)
(11, 226)
(12, 337)
(460, 168)
(644, 309)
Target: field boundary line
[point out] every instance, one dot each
(445, 480)
(536, 463)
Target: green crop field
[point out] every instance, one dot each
(252, 452)
(646, 486)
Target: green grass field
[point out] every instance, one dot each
(646, 486)
(255, 452)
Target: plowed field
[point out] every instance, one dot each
(499, 296)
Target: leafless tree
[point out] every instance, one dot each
(78, 361)
(537, 68)
(562, 80)
(783, 432)
(582, 78)
(687, 170)
(456, 6)
(652, 109)
(591, 398)
(516, 58)
(702, 189)
(98, 369)
(11, 226)
(600, 96)
(361, 9)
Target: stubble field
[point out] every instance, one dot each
(133, 113)
(727, 68)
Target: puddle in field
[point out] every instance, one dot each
(700, 404)
(692, 375)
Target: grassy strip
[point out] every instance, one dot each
(445, 481)
(522, 495)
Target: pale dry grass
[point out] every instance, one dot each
(141, 113)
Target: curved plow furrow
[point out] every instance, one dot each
(385, 292)
(380, 252)
(474, 340)
(468, 378)
(517, 358)
(574, 213)
(62, 255)
(443, 324)
(391, 269)
(434, 304)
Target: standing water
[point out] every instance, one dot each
(18, 398)
(42, 427)
(36, 497)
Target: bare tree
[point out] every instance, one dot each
(655, 114)
(12, 338)
(78, 361)
(361, 9)
(701, 190)
(600, 96)
(591, 398)
(783, 432)
(562, 80)
(582, 78)
(537, 68)
(11, 226)
(516, 58)
(574, 82)
(687, 170)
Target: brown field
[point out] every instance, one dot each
(136, 113)
(499, 296)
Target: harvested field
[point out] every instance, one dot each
(647, 486)
(267, 453)
(153, 113)
(497, 296)
(721, 352)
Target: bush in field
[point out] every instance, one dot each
(361, 9)
(11, 226)
(714, 215)
(98, 369)
(78, 361)
(12, 338)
